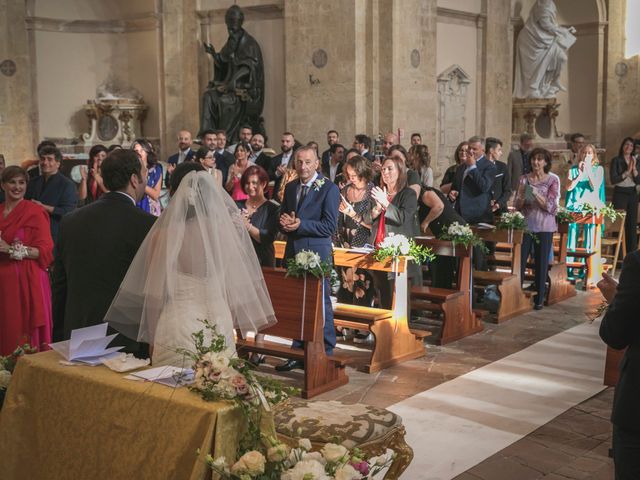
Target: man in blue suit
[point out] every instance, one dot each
(185, 154)
(309, 217)
(471, 191)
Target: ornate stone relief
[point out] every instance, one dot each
(114, 121)
(453, 84)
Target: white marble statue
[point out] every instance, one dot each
(541, 52)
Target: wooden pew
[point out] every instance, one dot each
(458, 319)
(299, 316)
(560, 288)
(513, 300)
(394, 341)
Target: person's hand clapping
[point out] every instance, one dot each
(4, 246)
(289, 222)
(380, 196)
(453, 194)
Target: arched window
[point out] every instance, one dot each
(632, 44)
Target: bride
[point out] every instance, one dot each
(197, 262)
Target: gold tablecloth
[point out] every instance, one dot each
(85, 422)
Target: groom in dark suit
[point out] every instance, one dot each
(96, 246)
(309, 217)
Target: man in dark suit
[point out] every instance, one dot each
(471, 192)
(97, 244)
(362, 143)
(184, 154)
(332, 138)
(279, 163)
(257, 156)
(620, 329)
(309, 218)
(51, 189)
(519, 162)
(333, 170)
(224, 159)
(501, 189)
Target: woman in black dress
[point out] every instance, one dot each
(354, 230)
(261, 215)
(460, 157)
(436, 213)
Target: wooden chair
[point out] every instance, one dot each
(614, 240)
(560, 288)
(298, 310)
(454, 305)
(394, 341)
(592, 258)
(513, 300)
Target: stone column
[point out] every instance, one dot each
(497, 85)
(178, 71)
(622, 88)
(18, 99)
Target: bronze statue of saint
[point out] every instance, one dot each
(235, 96)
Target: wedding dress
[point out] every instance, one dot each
(196, 263)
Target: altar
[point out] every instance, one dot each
(80, 422)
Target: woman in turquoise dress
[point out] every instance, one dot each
(586, 186)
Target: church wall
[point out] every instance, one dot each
(458, 44)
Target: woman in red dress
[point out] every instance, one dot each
(26, 250)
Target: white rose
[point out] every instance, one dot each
(5, 378)
(334, 453)
(305, 444)
(347, 472)
(251, 462)
(277, 453)
(317, 456)
(307, 470)
(220, 362)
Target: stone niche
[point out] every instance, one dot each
(537, 117)
(453, 84)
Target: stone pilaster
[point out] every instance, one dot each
(18, 117)
(497, 85)
(178, 71)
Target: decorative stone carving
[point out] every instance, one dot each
(536, 117)
(114, 121)
(541, 51)
(453, 84)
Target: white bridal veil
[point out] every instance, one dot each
(200, 237)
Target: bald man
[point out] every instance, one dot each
(388, 141)
(184, 154)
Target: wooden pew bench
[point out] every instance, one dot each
(394, 341)
(513, 300)
(299, 320)
(453, 305)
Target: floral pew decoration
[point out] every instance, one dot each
(462, 235)
(8, 365)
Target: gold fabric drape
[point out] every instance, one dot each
(82, 422)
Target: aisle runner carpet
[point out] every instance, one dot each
(460, 423)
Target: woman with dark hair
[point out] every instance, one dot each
(150, 203)
(354, 229)
(26, 251)
(207, 159)
(624, 176)
(234, 185)
(460, 156)
(91, 186)
(260, 215)
(420, 162)
(537, 198)
(394, 211)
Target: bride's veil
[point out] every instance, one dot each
(200, 234)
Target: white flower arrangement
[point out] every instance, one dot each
(462, 234)
(512, 221)
(564, 216)
(332, 462)
(308, 262)
(394, 246)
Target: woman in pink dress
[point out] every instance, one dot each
(233, 186)
(26, 250)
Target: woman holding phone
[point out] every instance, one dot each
(537, 198)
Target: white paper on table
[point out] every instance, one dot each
(167, 375)
(486, 226)
(361, 250)
(79, 335)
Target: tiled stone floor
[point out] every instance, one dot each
(572, 446)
